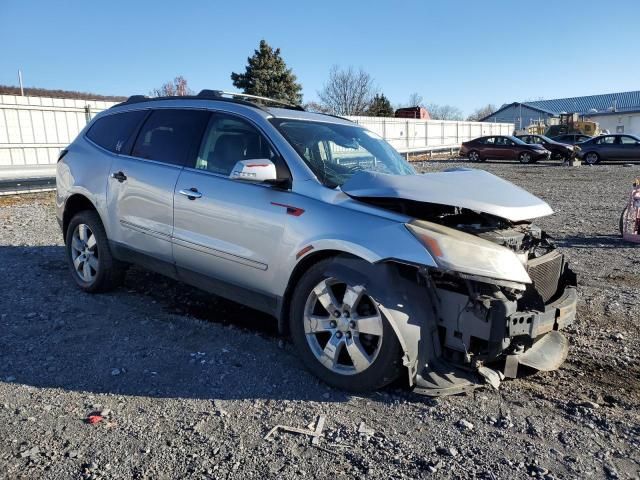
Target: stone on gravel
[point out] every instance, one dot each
(463, 424)
(447, 451)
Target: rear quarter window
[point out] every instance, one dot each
(113, 131)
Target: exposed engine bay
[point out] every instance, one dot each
(484, 321)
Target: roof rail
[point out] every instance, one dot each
(241, 98)
(217, 94)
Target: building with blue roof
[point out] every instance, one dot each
(615, 112)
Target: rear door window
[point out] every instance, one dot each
(606, 141)
(171, 135)
(113, 131)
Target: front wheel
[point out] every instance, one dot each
(88, 254)
(525, 157)
(592, 158)
(341, 334)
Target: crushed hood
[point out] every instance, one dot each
(465, 188)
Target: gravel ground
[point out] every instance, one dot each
(188, 385)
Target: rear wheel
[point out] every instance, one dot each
(474, 156)
(341, 334)
(592, 158)
(525, 157)
(88, 255)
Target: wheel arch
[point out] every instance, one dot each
(382, 276)
(74, 204)
(301, 267)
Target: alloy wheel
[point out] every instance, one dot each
(474, 157)
(525, 157)
(84, 253)
(343, 326)
(591, 158)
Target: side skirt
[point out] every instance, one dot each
(250, 298)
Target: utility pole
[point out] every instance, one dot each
(20, 82)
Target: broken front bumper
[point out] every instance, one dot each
(509, 333)
(550, 347)
(556, 315)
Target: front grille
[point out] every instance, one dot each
(545, 273)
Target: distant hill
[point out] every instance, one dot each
(45, 92)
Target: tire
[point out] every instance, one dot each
(315, 332)
(525, 157)
(88, 255)
(622, 218)
(474, 156)
(591, 158)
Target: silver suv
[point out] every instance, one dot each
(372, 269)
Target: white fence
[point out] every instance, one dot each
(33, 130)
(409, 135)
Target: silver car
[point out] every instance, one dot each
(373, 270)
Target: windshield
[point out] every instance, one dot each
(517, 140)
(334, 152)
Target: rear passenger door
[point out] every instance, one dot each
(489, 149)
(607, 148)
(140, 187)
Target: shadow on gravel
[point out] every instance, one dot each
(592, 241)
(144, 339)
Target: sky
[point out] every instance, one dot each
(464, 53)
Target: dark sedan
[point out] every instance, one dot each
(572, 138)
(557, 149)
(610, 147)
(503, 147)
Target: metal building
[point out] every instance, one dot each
(523, 114)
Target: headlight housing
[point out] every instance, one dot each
(457, 251)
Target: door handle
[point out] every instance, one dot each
(119, 176)
(191, 194)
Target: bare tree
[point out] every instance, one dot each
(444, 112)
(315, 107)
(482, 112)
(347, 92)
(178, 87)
(415, 100)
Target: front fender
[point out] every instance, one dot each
(402, 301)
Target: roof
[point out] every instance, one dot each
(515, 104)
(608, 102)
(250, 109)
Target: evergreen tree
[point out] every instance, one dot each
(380, 107)
(267, 75)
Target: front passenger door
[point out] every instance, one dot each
(229, 232)
(629, 148)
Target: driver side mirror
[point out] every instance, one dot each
(259, 170)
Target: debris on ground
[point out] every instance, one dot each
(315, 434)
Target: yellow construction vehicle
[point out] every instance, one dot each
(572, 123)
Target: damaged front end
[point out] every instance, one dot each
(499, 293)
(504, 311)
